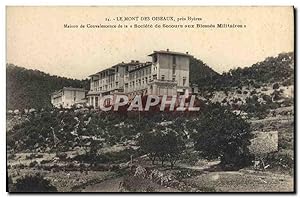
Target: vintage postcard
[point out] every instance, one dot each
(150, 99)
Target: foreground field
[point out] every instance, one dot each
(244, 181)
(182, 178)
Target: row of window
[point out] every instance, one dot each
(174, 79)
(140, 73)
(138, 82)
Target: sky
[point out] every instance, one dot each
(36, 37)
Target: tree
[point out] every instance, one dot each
(148, 143)
(163, 146)
(174, 146)
(222, 134)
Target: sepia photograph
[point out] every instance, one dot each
(163, 99)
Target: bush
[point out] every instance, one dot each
(33, 164)
(34, 184)
(61, 156)
(280, 160)
(276, 86)
(33, 156)
(114, 157)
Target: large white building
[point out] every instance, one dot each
(68, 97)
(167, 74)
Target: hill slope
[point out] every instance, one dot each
(31, 88)
(271, 70)
(200, 72)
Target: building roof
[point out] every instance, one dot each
(170, 52)
(69, 89)
(74, 89)
(134, 64)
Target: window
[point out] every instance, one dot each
(184, 81)
(174, 60)
(74, 95)
(174, 70)
(154, 58)
(154, 77)
(162, 77)
(174, 78)
(96, 101)
(92, 101)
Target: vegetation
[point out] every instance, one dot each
(271, 70)
(27, 88)
(31, 88)
(221, 134)
(215, 130)
(201, 72)
(35, 183)
(165, 147)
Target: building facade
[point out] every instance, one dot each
(68, 97)
(166, 74)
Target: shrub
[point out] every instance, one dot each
(61, 156)
(239, 92)
(276, 86)
(34, 184)
(33, 156)
(33, 164)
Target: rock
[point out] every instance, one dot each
(32, 110)
(140, 172)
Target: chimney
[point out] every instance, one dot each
(167, 49)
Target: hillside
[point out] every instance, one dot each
(27, 88)
(31, 88)
(271, 70)
(200, 72)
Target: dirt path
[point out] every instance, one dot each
(111, 185)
